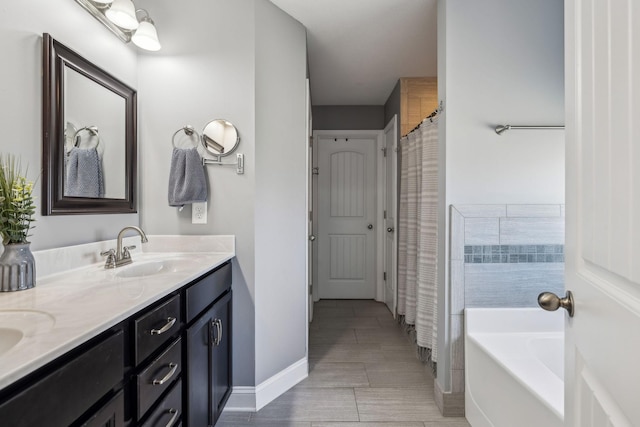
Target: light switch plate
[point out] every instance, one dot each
(199, 213)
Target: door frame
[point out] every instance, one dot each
(393, 153)
(378, 136)
(309, 203)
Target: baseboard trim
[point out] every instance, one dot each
(242, 399)
(252, 399)
(450, 404)
(271, 388)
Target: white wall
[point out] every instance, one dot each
(21, 26)
(280, 192)
(500, 62)
(504, 65)
(224, 66)
(201, 74)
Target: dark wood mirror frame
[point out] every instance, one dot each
(56, 56)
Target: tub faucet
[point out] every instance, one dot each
(121, 256)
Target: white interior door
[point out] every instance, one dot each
(346, 217)
(391, 197)
(603, 212)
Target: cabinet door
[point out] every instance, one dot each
(110, 415)
(209, 364)
(63, 395)
(199, 397)
(221, 354)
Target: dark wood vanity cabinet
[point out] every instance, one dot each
(168, 365)
(67, 390)
(196, 366)
(209, 364)
(110, 414)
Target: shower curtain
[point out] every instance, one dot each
(418, 237)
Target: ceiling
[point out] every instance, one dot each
(358, 49)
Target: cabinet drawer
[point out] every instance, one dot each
(158, 377)
(169, 410)
(62, 396)
(156, 327)
(207, 290)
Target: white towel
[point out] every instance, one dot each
(187, 180)
(84, 176)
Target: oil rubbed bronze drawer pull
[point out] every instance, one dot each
(172, 371)
(170, 322)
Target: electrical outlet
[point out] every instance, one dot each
(199, 213)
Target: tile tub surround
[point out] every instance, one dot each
(75, 298)
(501, 256)
(363, 373)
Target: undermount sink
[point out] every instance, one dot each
(9, 338)
(151, 268)
(143, 269)
(18, 324)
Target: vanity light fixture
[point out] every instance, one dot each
(146, 36)
(123, 14)
(120, 16)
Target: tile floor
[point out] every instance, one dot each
(362, 373)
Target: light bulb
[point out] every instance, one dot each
(123, 14)
(146, 36)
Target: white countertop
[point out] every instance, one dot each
(75, 298)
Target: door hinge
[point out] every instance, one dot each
(384, 276)
(384, 214)
(310, 215)
(384, 151)
(310, 141)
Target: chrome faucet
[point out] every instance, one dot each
(121, 256)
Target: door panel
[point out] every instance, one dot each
(603, 201)
(347, 219)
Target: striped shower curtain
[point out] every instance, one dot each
(418, 237)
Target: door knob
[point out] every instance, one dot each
(370, 226)
(390, 229)
(312, 237)
(551, 302)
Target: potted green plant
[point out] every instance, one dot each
(17, 208)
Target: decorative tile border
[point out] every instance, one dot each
(508, 254)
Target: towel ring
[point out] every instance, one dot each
(92, 129)
(188, 130)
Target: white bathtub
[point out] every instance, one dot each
(514, 367)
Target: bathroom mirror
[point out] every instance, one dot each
(220, 137)
(89, 136)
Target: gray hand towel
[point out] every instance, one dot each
(187, 180)
(84, 176)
